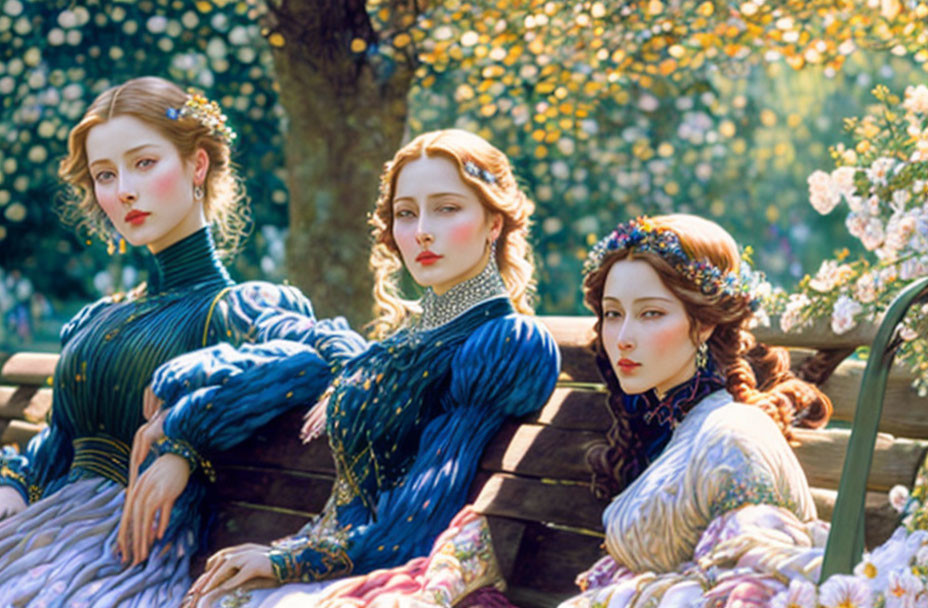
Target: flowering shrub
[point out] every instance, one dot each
(894, 575)
(884, 182)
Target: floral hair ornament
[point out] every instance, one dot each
(642, 235)
(472, 168)
(207, 113)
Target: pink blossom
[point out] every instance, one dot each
(916, 99)
(843, 314)
(898, 496)
(822, 192)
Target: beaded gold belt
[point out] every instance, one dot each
(104, 456)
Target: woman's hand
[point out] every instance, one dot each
(147, 434)
(314, 420)
(11, 502)
(231, 568)
(151, 404)
(149, 501)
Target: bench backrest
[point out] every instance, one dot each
(533, 482)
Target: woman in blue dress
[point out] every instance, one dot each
(148, 164)
(407, 417)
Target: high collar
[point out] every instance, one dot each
(669, 411)
(190, 261)
(440, 309)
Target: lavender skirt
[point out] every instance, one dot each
(60, 552)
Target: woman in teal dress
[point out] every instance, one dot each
(149, 164)
(408, 416)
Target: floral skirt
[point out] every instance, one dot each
(461, 570)
(61, 552)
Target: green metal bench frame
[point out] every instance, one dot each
(846, 538)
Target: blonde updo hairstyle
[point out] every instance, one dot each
(148, 99)
(754, 373)
(503, 196)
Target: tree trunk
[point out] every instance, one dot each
(347, 114)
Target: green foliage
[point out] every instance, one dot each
(608, 110)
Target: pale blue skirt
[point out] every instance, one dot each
(61, 553)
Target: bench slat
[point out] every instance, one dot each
(575, 410)
(240, 522)
(821, 454)
(540, 451)
(904, 412)
(18, 432)
(506, 495)
(882, 519)
(31, 369)
(549, 561)
(288, 489)
(28, 402)
(277, 445)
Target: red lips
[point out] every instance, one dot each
(627, 365)
(427, 258)
(136, 217)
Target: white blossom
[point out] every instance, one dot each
(823, 195)
(898, 496)
(867, 288)
(878, 173)
(792, 315)
(830, 274)
(842, 180)
(800, 594)
(916, 99)
(903, 589)
(856, 224)
(843, 313)
(873, 234)
(844, 591)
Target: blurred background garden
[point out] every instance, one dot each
(607, 110)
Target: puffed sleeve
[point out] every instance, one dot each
(744, 460)
(218, 396)
(47, 458)
(507, 367)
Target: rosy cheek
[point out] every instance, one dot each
(405, 238)
(167, 183)
(669, 337)
(108, 201)
(464, 234)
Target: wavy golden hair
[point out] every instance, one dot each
(148, 100)
(756, 374)
(503, 196)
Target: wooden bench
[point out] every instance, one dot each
(533, 482)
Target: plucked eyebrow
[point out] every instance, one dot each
(638, 300)
(128, 152)
(436, 195)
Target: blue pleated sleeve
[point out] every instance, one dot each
(507, 368)
(218, 396)
(44, 464)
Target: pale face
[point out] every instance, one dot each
(440, 226)
(142, 183)
(645, 330)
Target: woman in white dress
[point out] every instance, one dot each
(714, 509)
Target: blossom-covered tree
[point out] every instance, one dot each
(607, 109)
(537, 76)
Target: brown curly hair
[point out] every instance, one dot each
(755, 374)
(503, 196)
(148, 99)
